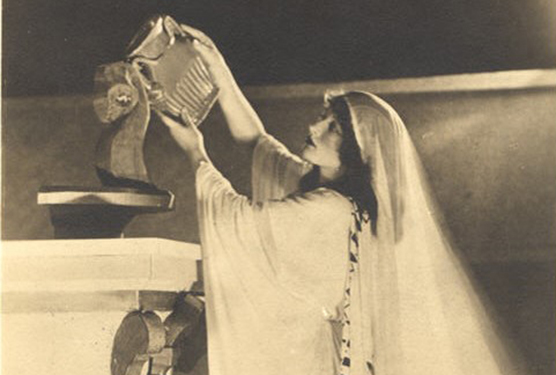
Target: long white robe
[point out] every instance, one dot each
(274, 268)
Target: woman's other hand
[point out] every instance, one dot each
(211, 56)
(244, 123)
(188, 137)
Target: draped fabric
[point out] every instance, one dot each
(416, 310)
(274, 269)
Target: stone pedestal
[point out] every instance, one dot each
(68, 304)
(77, 212)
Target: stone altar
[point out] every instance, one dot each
(120, 306)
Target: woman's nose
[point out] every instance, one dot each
(316, 128)
(313, 129)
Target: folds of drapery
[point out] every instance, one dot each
(274, 268)
(415, 309)
(418, 303)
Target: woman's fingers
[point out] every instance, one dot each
(198, 35)
(211, 57)
(205, 52)
(205, 47)
(168, 121)
(186, 118)
(192, 31)
(187, 136)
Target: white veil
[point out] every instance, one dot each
(414, 308)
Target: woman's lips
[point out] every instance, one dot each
(309, 141)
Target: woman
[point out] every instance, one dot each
(337, 264)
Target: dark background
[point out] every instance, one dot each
(52, 47)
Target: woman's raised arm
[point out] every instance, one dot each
(244, 123)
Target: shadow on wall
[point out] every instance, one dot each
(490, 157)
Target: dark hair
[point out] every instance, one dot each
(355, 183)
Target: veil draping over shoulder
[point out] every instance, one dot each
(415, 309)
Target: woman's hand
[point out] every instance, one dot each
(188, 137)
(243, 121)
(212, 57)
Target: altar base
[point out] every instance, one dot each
(65, 303)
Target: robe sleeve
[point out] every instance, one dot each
(276, 171)
(271, 239)
(271, 269)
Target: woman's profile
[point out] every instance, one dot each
(337, 264)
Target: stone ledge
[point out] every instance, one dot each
(483, 81)
(487, 81)
(96, 275)
(88, 302)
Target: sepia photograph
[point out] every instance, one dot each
(267, 187)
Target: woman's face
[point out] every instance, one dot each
(322, 145)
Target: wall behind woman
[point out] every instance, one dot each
(489, 154)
